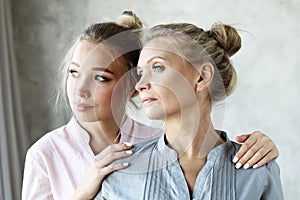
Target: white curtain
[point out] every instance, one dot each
(12, 132)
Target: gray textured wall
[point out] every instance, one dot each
(268, 64)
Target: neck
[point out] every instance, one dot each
(102, 133)
(191, 133)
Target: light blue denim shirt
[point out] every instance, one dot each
(155, 174)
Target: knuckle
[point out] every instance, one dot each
(260, 154)
(259, 134)
(114, 167)
(242, 161)
(252, 151)
(245, 146)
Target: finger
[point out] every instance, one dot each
(110, 168)
(270, 156)
(110, 157)
(244, 148)
(249, 153)
(259, 155)
(117, 147)
(114, 148)
(242, 138)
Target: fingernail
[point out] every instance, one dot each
(255, 166)
(238, 165)
(235, 159)
(125, 164)
(127, 144)
(246, 166)
(128, 152)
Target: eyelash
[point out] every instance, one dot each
(98, 78)
(155, 68)
(72, 72)
(104, 79)
(158, 68)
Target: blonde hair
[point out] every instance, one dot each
(196, 46)
(102, 32)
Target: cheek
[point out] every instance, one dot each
(169, 99)
(70, 89)
(103, 96)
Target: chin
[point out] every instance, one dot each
(156, 114)
(85, 118)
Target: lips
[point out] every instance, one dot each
(147, 100)
(82, 107)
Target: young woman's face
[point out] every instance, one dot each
(167, 82)
(91, 81)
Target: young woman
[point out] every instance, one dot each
(70, 162)
(183, 71)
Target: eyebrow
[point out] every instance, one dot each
(159, 57)
(103, 69)
(74, 63)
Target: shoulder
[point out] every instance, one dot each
(135, 132)
(135, 175)
(263, 182)
(50, 143)
(146, 145)
(271, 167)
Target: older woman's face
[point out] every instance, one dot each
(166, 85)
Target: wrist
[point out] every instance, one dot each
(77, 195)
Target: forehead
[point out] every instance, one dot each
(159, 48)
(87, 54)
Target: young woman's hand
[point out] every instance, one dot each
(100, 167)
(257, 149)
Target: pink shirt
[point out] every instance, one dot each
(56, 163)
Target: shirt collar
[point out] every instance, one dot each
(164, 149)
(81, 135)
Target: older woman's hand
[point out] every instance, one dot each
(257, 149)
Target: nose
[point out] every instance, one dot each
(83, 88)
(143, 84)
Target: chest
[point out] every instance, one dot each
(191, 167)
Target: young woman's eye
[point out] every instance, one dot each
(158, 68)
(74, 73)
(101, 78)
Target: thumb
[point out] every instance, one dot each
(242, 138)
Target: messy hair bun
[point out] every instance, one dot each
(129, 20)
(227, 37)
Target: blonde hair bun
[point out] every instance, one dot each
(227, 37)
(129, 20)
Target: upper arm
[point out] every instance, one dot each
(36, 184)
(273, 188)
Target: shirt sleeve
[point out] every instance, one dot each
(273, 188)
(36, 184)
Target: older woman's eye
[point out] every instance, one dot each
(158, 68)
(74, 73)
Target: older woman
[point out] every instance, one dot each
(183, 71)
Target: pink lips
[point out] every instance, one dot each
(82, 107)
(147, 100)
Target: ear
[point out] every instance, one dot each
(206, 74)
